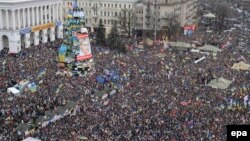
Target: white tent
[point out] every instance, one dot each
(14, 91)
(220, 83)
(31, 139)
(209, 15)
(210, 48)
(180, 44)
(241, 66)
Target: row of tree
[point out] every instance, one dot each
(114, 40)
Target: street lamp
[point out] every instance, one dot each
(155, 18)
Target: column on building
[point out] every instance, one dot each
(49, 13)
(27, 40)
(57, 12)
(24, 18)
(36, 38)
(52, 34)
(1, 21)
(33, 16)
(52, 29)
(46, 13)
(14, 42)
(13, 15)
(53, 12)
(29, 18)
(41, 14)
(45, 36)
(37, 16)
(7, 18)
(18, 19)
(61, 12)
(30, 12)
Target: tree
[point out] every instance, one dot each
(222, 11)
(172, 27)
(100, 34)
(126, 21)
(114, 40)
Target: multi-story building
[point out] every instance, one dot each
(148, 13)
(28, 22)
(183, 10)
(158, 14)
(107, 10)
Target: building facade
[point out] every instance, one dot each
(148, 13)
(163, 11)
(107, 10)
(29, 22)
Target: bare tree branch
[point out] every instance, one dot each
(126, 20)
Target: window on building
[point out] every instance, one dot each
(89, 4)
(108, 21)
(105, 5)
(112, 5)
(120, 5)
(115, 5)
(108, 5)
(104, 13)
(129, 6)
(124, 6)
(100, 5)
(86, 20)
(104, 21)
(115, 14)
(108, 14)
(95, 20)
(101, 13)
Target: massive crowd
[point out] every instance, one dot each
(145, 107)
(160, 97)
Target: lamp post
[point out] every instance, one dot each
(155, 20)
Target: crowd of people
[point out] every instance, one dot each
(161, 97)
(147, 106)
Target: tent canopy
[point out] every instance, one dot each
(209, 15)
(14, 91)
(180, 44)
(210, 48)
(220, 83)
(241, 66)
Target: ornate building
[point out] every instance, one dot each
(29, 22)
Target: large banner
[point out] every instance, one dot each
(41, 27)
(84, 47)
(25, 31)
